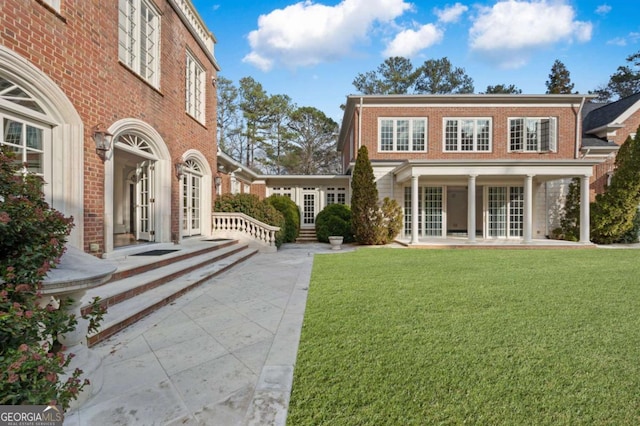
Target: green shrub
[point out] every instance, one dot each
(251, 205)
(32, 238)
(291, 215)
(334, 220)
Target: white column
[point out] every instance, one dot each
(471, 209)
(414, 210)
(528, 209)
(584, 210)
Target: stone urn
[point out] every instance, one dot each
(76, 273)
(336, 242)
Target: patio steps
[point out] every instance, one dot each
(136, 290)
(307, 235)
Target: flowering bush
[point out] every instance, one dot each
(32, 238)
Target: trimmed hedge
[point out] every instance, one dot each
(251, 205)
(335, 219)
(291, 215)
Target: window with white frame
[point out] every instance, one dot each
(467, 134)
(55, 4)
(533, 134)
(195, 77)
(402, 134)
(284, 191)
(336, 195)
(139, 38)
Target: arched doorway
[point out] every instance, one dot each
(137, 187)
(195, 195)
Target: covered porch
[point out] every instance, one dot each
(495, 203)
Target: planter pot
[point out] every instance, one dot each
(336, 242)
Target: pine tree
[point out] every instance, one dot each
(559, 80)
(364, 199)
(613, 213)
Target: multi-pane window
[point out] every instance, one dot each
(26, 140)
(505, 211)
(532, 134)
(402, 134)
(139, 38)
(336, 196)
(284, 191)
(467, 134)
(195, 77)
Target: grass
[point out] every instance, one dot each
(482, 337)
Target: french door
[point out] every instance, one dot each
(191, 204)
(309, 207)
(505, 211)
(145, 201)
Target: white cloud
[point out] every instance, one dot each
(510, 31)
(450, 13)
(632, 38)
(409, 42)
(603, 9)
(308, 33)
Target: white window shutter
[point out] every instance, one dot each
(553, 134)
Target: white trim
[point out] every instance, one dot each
(206, 202)
(67, 133)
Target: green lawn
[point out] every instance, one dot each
(480, 337)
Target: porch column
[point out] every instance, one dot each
(584, 210)
(414, 210)
(528, 209)
(471, 209)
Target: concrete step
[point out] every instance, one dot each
(135, 296)
(307, 236)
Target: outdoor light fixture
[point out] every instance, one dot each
(218, 181)
(102, 138)
(180, 167)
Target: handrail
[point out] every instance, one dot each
(241, 224)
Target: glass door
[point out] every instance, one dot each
(144, 201)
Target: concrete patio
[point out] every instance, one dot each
(223, 354)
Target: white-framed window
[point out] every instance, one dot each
(538, 134)
(402, 134)
(54, 4)
(336, 196)
(139, 38)
(195, 87)
(284, 191)
(467, 134)
(28, 140)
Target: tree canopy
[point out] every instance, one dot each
(559, 79)
(624, 82)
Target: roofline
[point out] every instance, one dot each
(484, 163)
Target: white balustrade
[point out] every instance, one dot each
(239, 225)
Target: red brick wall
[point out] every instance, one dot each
(78, 49)
(499, 139)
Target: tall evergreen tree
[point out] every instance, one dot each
(503, 89)
(394, 76)
(439, 76)
(613, 213)
(313, 143)
(624, 82)
(254, 105)
(364, 199)
(559, 80)
(229, 122)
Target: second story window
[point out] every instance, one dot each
(194, 95)
(532, 134)
(467, 134)
(139, 38)
(402, 134)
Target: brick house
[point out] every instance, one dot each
(477, 166)
(139, 74)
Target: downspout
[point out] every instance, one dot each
(579, 127)
(360, 124)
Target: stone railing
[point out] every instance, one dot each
(243, 227)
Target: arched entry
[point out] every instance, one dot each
(137, 187)
(41, 124)
(195, 195)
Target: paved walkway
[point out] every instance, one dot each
(222, 354)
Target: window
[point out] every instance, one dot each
(195, 77)
(55, 4)
(139, 38)
(402, 134)
(532, 134)
(26, 140)
(286, 191)
(467, 134)
(336, 196)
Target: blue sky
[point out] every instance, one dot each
(312, 50)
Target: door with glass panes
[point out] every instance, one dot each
(191, 198)
(145, 200)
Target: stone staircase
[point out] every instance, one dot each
(307, 235)
(143, 284)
